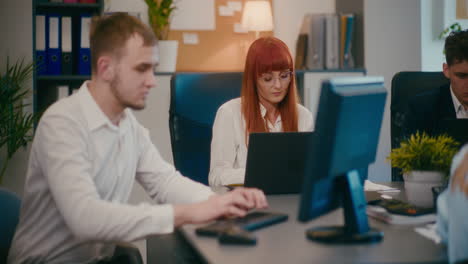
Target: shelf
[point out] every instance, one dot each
(63, 77)
(67, 8)
(45, 87)
(334, 70)
(67, 5)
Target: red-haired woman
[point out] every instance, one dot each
(268, 103)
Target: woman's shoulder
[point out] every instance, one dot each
(302, 110)
(232, 105)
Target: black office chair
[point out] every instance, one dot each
(404, 86)
(10, 209)
(195, 99)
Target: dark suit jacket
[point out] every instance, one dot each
(426, 110)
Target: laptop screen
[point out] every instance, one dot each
(275, 161)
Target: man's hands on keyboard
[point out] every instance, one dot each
(236, 203)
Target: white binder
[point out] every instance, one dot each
(332, 59)
(316, 42)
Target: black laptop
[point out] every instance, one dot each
(275, 161)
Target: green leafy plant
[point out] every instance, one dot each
(453, 27)
(423, 152)
(15, 125)
(159, 14)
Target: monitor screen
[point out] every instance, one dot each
(346, 136)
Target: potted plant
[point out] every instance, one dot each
(453, 27)
(16, 125)
(425, 163)
(159, 14)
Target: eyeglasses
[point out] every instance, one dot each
(283, 77)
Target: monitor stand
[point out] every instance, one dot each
(356, 228)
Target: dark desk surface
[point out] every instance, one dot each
(286, 243)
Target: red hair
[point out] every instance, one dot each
(266, 55)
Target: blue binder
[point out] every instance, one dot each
(348, 61)
(54, 51)
(41, 45)
(84, 53)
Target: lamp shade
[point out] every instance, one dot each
(257, 16)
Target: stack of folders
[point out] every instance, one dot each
(400, 213)
(324, 42)
(59, 51)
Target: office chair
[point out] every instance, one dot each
(404, 86)
(195, 99)
(10, 209)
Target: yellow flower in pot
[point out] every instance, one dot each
(425, 163)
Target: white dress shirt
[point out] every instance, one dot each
(459, 109)
(228, 146)
(452, 215)
(80, 174)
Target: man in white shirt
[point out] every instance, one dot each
(88, 150)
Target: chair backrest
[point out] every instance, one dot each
(404, 86)
(195, 99)
(9, 215)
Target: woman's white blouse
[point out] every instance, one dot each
(228, 146)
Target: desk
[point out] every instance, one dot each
(286, 243)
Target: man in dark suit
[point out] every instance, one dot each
(428, 110)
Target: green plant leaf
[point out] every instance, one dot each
(15, 126)
(159, 15)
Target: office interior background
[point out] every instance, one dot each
(399, 35)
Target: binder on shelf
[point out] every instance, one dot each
(331, 42)
(315, 51)
(67, 55)
(343, 21)
(54, 59)
(62, 91)
(70, 1)
(84, 53)
(302, 44)
(301, 52)
(41, 50)
(348, 61)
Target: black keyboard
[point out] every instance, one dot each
(252, 221)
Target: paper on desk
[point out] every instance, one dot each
(429, 231)
(370, 186)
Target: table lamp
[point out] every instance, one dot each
(257, 16)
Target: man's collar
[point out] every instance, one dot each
(456, 103)
(94, 116)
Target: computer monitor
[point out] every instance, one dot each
(347, 132)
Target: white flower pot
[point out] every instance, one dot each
(167, 55)
(418, 186)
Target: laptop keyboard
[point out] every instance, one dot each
(252, 221)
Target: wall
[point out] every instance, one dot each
(392, 44)
(432, 23)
